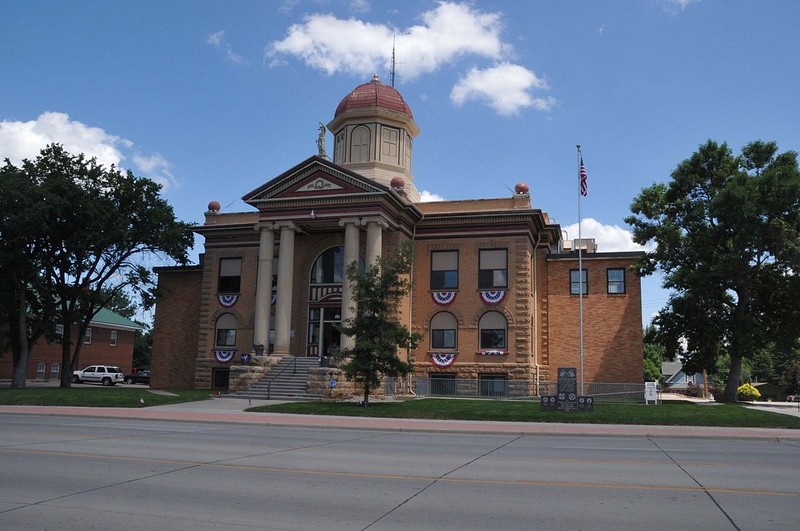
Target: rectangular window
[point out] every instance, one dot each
(493, 338)
(444, 270)
(230, 275)
(389, 144)
(55, 371)
(575, 281)
(616, 280)
(443, 339)
(41, 367)
(226, 337)
(87, 338)
(492, 384)
(60, 330)
(113, 340)
(493, 272)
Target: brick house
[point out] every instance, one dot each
(496, 291)
(109, 341)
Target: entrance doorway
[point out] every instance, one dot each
(323, 337)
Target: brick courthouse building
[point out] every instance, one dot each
(495, 289)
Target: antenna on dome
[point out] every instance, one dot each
(394, 38)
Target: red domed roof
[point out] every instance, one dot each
(374, 94)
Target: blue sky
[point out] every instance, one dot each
(214, 98)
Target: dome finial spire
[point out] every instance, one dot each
(375, 78)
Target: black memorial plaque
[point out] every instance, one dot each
(548, 403)
(585, 404)
(567, 397)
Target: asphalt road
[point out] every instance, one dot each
(60, 472)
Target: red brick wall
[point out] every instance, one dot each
(613, 350)
(98, 352)
(175, 329)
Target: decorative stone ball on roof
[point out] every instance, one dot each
(213, 206)
(521, 188)
(398, 183)
(374, 94)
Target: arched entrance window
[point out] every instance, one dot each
(325, 302)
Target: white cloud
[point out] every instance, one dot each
(360, 6)
(609, 238)
(447, 33)
(156, 168)
(426, 197)
(20, 140)
(217, 40)
(506, 88)
(24, 140)
(676, 6)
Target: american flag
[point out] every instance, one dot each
(584, 184)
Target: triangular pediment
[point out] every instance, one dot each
(315, 177)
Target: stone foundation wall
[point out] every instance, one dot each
(319, 380)
(244, 376)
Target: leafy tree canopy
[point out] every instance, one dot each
(92, 233)
(727, 235)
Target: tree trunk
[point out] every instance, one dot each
(734, 377)
(20, 357)
(366, 393)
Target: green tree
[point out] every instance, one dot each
(727, 235)
(378, 335)
(653, 355)
(96, 230)
(26, 304)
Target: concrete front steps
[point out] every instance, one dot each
(285, 381)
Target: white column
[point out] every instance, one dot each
(283, 306)
(375, 227)
(351, 245)
(266, 251)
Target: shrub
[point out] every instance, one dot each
(695, 390)
(747, 393)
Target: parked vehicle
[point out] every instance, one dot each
(142, 376)
(104, 374)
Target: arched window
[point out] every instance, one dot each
(329, 267)
(444, 331)
(359, 145)
(492, 327)
(226, 330)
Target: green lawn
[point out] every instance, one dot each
(670, 413)
(86, 396)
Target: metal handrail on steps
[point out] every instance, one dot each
(292, 364)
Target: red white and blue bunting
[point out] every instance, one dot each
(493, 297)
(443, 298)
(227, 300)
(493, 352)
(443, 359)
(224, 356)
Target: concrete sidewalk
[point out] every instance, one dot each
(231, 410)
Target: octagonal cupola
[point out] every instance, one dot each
(373, 130)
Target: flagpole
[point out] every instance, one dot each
(580, 258)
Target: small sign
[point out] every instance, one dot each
(332, 383)
(651, 392)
